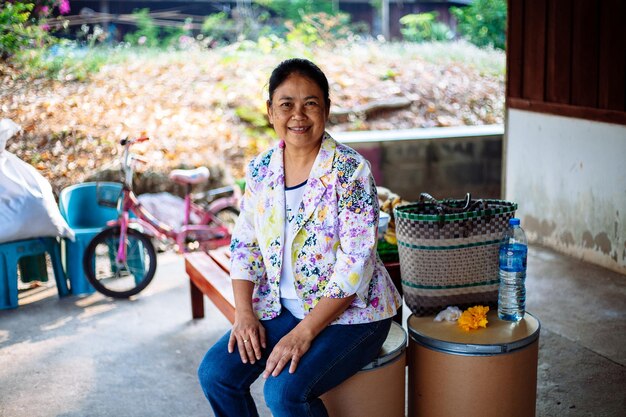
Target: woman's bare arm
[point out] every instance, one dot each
(247, 333)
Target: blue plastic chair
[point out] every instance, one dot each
(86, 207)
(10, 254)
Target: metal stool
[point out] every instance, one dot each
(378, 389)
(488, 372)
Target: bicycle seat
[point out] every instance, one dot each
(190, 176)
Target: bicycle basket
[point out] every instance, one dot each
(108, 193)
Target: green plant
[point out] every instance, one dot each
(295, 10)
(389, 75)
(267, 44)
(320, 28)
(20, 29)
(64, 62)
(377, 4)
(219, 27)
(91, 36)
(147, 33)
(483, 22)
(424, 27)
(178, 37)
(254, 116)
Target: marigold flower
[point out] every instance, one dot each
(473, 318)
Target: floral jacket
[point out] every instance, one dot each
(334, 249)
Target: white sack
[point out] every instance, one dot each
(27, 205)
(8, 128)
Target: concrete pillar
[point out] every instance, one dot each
(384, 14)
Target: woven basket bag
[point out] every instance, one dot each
(448, 251)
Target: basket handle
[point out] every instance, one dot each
(443, 208)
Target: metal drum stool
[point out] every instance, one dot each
(378, 389)
(488, 372)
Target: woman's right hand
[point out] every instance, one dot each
(249, 335)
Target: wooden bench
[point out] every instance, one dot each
(209, 275)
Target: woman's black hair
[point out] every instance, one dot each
(303, 67)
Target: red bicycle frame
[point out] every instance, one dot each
(209, 231)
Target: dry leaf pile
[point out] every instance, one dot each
(189, 103)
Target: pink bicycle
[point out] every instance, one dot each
(121, 260)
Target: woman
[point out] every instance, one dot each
(313, 300)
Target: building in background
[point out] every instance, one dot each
(382, 19)
(565, 134)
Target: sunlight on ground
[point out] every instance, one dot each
(89, 300)
(37, 292)
(92, 311)
(57, 324)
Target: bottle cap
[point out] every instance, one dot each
(514, 221)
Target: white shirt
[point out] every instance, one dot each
(288, 295)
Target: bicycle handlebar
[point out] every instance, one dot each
(128, 159)
(126, 141)
(139, 159)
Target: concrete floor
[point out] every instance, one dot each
(92, 356)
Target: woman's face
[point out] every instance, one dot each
(298, 111)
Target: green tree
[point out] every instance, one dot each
(483, 22)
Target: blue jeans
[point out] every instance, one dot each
(336, 354)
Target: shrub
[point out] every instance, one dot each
(147, 33)
(178, 37)
(321, 28)
(423, 27)
(295, 10)
(483, 22)
(64, 61)
(20, 29)
(219, 27)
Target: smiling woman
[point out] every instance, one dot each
(313, 300)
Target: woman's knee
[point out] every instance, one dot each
(292, 397)
(283, 390)
(276, 391)
(208, 371)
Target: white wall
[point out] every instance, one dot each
(568, 177)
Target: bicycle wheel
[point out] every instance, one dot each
(115, 279)
(229, 216)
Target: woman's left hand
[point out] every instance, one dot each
(290, 348)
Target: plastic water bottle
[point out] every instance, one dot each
(512, 293)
